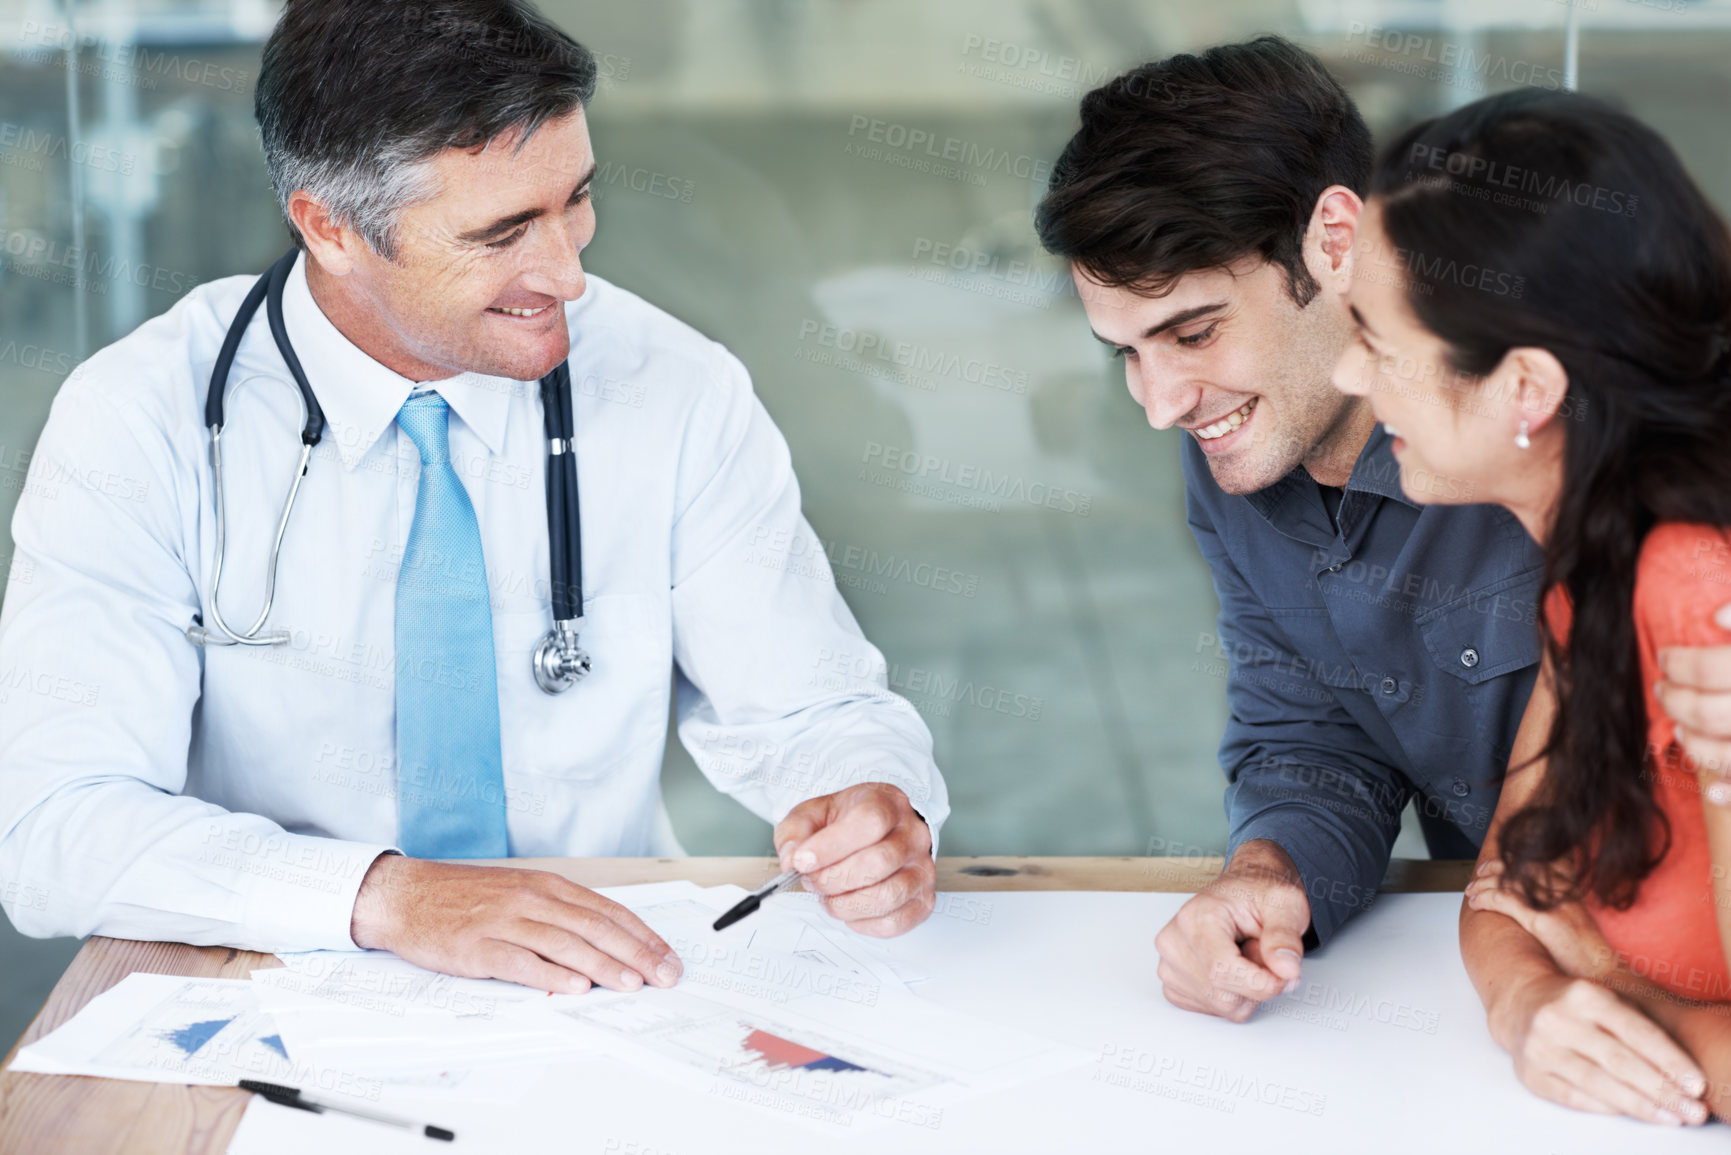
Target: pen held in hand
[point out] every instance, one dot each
(783, 881)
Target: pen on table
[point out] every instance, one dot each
(752, 901)
(290, 1097)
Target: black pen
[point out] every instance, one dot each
(755, 899)
(289, 1097)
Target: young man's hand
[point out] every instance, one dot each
(1696, 693)
(1240, 941)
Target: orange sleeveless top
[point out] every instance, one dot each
(1670, 934)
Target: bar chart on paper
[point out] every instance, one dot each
(746, 1046)
(202, 1024)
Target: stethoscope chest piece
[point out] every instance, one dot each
(560, 662)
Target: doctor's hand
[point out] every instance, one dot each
(526, 926)
(868, 853)
(1240, 941)
(1696, 693)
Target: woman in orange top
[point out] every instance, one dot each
(1566, 353)
(1671, 935)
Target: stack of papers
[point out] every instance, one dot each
(787, 1010)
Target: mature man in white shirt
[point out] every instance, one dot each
(435, 172)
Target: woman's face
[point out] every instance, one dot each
(1454, 434)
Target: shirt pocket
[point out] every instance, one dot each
(608, 721)
(1491, 631)
(1487, 646)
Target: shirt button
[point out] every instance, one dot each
(1335, 568)
(1461, 789)
(1469, 657)
(1389, 685)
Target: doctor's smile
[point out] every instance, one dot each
(522, 312)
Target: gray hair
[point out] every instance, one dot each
(356, 97)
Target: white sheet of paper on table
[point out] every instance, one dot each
(374, 1012)
(786, 952)
(1383, 1048)
(381, 1014)
(406, 1043)
(213, 1032)
(164, 1029)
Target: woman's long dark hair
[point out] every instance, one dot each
(1551, 220)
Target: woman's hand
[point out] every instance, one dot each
(1567, 931)
(1574, 1040)
(1577, 1043)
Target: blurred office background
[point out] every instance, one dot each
(841, 191)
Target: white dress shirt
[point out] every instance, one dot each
(151, 789)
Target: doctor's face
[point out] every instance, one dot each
(485, 266)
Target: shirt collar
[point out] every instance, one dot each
(1293, 503)
(361, 397)
(1376, 470)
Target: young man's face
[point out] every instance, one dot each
(1230, 358)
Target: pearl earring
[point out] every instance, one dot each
(1521, 439)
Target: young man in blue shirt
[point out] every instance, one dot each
(1381, 650)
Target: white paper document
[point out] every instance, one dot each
(377, 1014)
(1382, 1047)
(214, 1032)
(786, 952)
(165, 1029)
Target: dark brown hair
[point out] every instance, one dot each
(1193, 162)
(1550, 220)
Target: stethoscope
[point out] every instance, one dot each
(558, 661)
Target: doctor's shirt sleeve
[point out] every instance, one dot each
(781, 696)
(98, 688)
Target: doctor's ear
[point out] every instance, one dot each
(327, 242)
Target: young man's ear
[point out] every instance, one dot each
(1328, 239)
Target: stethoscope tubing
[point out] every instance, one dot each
(564, 525)
(559, 661)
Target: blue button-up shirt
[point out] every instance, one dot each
(1384, 661)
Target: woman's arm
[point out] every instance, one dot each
(1573, 1040)
(1676, 600)
(1718, 820)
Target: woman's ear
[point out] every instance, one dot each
(1539, 385)
(1526, 388)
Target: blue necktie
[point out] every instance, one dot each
(450, 781)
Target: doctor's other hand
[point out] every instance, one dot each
(868, 853)
(1240, 941)
(1696, 693)
(527, 926)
